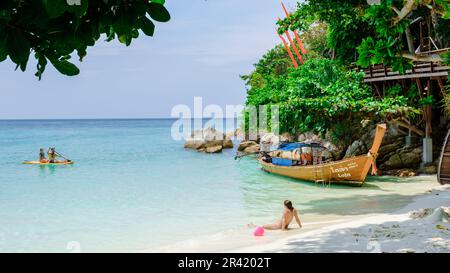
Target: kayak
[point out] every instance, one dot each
(40, 163)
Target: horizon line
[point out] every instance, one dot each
(68, 119)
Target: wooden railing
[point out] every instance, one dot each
(419, 70)
(378, 73)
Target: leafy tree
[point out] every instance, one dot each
(391, 20)
(315, 39)
(380, 33)
(346, 27)
(54, 29)
(325, 97)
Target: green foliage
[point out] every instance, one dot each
(393, 91)
(315, 39)
(54, 29)
(346, 25)
(446, 100)
(387, 46)
(324, 96)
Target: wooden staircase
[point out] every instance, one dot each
(444, 163)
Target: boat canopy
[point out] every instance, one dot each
(296, 145)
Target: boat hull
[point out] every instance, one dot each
(352, 171)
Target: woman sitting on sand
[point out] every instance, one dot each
(289, 214)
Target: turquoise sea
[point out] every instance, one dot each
(133, 188)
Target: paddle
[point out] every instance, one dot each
(60, 155)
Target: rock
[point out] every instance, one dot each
(194, 144)
(271, 139)
(213, 143)
(252, 149)
(411, 159)
(405, 157)
(208, 140)
(394, 162)
(213, 149)
(389, 148)
(446, 211)
(245, 144)
(238, 133)
(401, 173)
(286, 137)
(309, 137)
(357, 148)
(228, 144)
(421, 213)
(429, 169)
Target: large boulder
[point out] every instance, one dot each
(252, 149)
(403, 158)
(227, 144)
(208, 140)
(238, 133)
(194, 144)
(214, 149)
(357, 148)
(309, 137)
(286, 137)
(245, 144)
(249, 147)
(270, 139)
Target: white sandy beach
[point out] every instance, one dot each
(378, 227)
(422, 226)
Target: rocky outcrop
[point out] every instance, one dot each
(252, 149)
(270, 139)
(430, 168)
(406, 157)
(214, 149)
(357, 148)
(401, 173)
(208, 140)
(394, 157)
(249, 147)
(333, 152)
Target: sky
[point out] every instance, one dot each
(199, 53)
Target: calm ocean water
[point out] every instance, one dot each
(134, 188)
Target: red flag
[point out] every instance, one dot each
(297, 38)
(300, 44)
(288, 49)
(284, 8)
(294, 46)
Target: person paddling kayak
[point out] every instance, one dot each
(51, 153)
(51, 159)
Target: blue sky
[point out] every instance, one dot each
(200, 52)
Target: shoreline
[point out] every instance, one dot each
(407, 192)
(397, 231)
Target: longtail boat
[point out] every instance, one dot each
(351, 171)
(444, 162)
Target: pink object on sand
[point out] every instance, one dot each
(259, 231)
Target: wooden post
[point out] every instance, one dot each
(421, 36)
(428, 110)
(427, 149)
